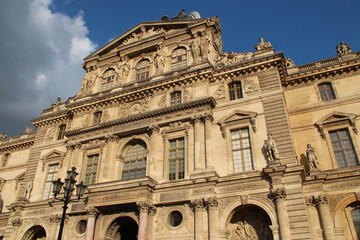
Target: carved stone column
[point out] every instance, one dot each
(111, 141)
(151, 223)
(143, 219)
(208, 141)
(313, 216)
(279, 195)
(198, 206)
(90, 227)
(155, 150)
(325, 217)
(198, 152)
(212, 204)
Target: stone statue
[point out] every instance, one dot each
(204, 44)
(124, 68)
(271, 149)
(343, 48)
(2, 136)
(159, 61)
(289, 62)
(312, 159)
(262, 44)
(28, 129)
(195, 49)
(28, 188)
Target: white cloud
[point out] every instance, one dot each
(41, 58)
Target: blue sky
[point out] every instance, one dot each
(43, 42)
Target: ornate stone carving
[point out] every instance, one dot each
(113, 138)
(212, 202)
(343, 48)
(124, 67)
(144, 206)
(2, 136)
(28, 129)
(244, 186)
(334, 200)
(232, 57)
(154, 128)
(187, 96)
(162, 102)
(224, 202)
(278, 193)
(16, 222)
(316, 200)
(250, 86)
(144, 33)
(244, 199)
(86, 121)
(262, 44)
(28, 189)
(88, 83)
(92, 211)
(197, 204)
(105, 116)
(220, 92)
(271, 149)
(56, 218)
(312, 159)
(159, 60)
(50, 134)
(289, 63)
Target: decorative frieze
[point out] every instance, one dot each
(244, 187)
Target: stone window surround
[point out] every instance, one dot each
(135, 69)
(317, 91)
(87, 151)
(349, 218)
(338, 125)
(125, 149)
(177, 133)
(246, 120)
(186, 50)
(234, 80)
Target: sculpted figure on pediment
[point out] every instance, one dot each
(232, 57)
(343, 48)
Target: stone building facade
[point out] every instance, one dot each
(177, 140)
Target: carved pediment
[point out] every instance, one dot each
(236, 117)
(336, 118)
(53, 155)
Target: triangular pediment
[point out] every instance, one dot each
(335, 117)
(54, 154)
(237, 115)
(142, 32)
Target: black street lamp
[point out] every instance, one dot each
(68, 189)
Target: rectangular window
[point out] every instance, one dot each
(91, 169)
(61, 132)
(241, 148)
(235, 90)
(343, 148)
(175, 98)
(97, 117)
(51, 176)
(176, 159)
(326, 92)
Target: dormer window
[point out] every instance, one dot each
(179, 58)
(142, 70)
(97, 117)
(108, 79)
(175, 98)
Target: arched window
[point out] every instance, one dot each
(108, 79)
(326, 92)
(175, 98)
(142, 70)
(235, 90)
(179, 58)
(135, 161)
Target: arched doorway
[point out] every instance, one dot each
(122, 228)
(35, 233)
(249, 222)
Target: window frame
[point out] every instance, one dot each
(127, 148)
(97, 117)
(176, 159)
(332, 89)
(142, 73)
(177, 63)
(177, 98)
(242, 150)
(92, 172)
(61, 131)
(107, 83)
(48, 167)
(235, 91)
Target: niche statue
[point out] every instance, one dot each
(271, 149)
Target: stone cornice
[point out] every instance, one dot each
(146, 115)
(331, 67)
(51, 118)
(16, 144)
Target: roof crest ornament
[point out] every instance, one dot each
(183, 16)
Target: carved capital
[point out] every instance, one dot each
(91, 211)
(112, 138)
(212, 202)
(144, 206)
(16, 222)
(197, 120)
(152, 210)
(154, 129)
(278, 193)
(56, 218)
(208, 117)
(321, 199)
(197, 204)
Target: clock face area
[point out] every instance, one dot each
(136, 108)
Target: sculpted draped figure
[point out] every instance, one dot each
(312, 159)
(262, 44)
(343, 48)
(271, 148)
(159, 60)
(124, 67)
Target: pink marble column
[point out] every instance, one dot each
(90, 227)
(143, 209)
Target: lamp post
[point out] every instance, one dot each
(68, 189)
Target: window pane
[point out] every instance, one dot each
(355, 214)
(343, 148)
(241, 148)
(135, 161)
